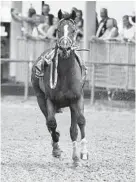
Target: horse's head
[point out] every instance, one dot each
(66, 32)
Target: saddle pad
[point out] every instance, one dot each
(45, 58)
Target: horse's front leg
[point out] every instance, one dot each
(78, 109)
(74, 133)
(81, 123)
(48, 110)
(52, 125)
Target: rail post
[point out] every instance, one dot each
(127, 68)
(26, 82)
(93, 84)
(108, 61)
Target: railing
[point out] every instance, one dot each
(116, 81)
(26, 70)
(115, 68)
(110, 65)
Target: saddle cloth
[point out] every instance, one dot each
(46, 59)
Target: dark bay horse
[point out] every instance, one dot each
(65, 89)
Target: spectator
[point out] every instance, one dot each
(111, 29)
(42, 28)
(51, 31)
(79, 20)
(128, 31)
(45, 13)
(102, 25)
(79, 23)
(39, 33)
(33, 19)
(31, 11)
(28, 27)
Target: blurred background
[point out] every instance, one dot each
(19, 40)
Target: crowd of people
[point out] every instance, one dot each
(44, 26)
(41, 27)
(108, 29)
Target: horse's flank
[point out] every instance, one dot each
(69, 84)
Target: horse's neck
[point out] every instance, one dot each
(69, 68)
(67, 64)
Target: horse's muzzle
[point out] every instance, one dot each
(65, 43)
(65, 53)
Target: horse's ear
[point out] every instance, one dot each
(73, 15)
(60, 14)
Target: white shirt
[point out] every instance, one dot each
(35, 32)
(128, 33)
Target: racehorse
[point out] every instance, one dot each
(67, 91)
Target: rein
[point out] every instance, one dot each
(53, 84)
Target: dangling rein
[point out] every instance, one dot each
(53, 84)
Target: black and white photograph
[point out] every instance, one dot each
(67, 91)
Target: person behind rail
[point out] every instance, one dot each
(51, 31)
(79, 24)
(102, 25)
(33, 20)
(46, 14)
(128, 32)
(111, 32)
(38, 33)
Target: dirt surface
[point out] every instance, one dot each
(26, 144)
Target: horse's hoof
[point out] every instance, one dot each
(76, 162)
(84, 156)
(56, 153)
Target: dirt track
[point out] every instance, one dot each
(26, 144)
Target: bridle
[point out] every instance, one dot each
(70, 43)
